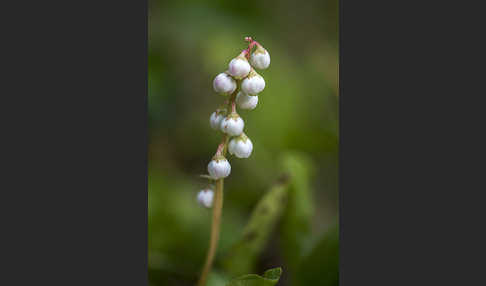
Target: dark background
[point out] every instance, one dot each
(294, 129)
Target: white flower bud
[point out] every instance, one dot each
(205, 198)
(260, 58)
(245, 101)
(239, 67)
(215, 120)
(253, 84)
(232, 125)
(240, 146)
(219, 167)
(224, 84)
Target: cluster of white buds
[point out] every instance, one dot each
(242, 84)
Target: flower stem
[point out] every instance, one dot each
(218, 201)
(222, 146)
(215, 229)
(251, 44)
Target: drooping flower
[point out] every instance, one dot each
(239, 67)
(232, 124)
(219, 167)
(224, 84)
(253, 83)
(245, 101)
(260, 58)
(215, 119)
(240, 146)
(205, 197)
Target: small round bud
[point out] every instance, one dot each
(260, 59)
(205, 198)
(232, 125)
(240, 146)
(239, 67)
(224, 84)
(215, 120)
(245, 101)
(219, 167)
(253, 84)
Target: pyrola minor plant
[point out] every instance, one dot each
(242, 84)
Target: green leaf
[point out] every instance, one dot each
(273, 274)
(321, 266)
(242, 256)
(216, 278)
(296, 227)
(269, 278)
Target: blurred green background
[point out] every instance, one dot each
(294, 130)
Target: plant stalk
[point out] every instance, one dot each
(218, 196)
(215, 229)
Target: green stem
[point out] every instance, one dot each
(217, 211)
(215, 229)
(218, 205)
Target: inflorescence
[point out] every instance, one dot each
(242, 84)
